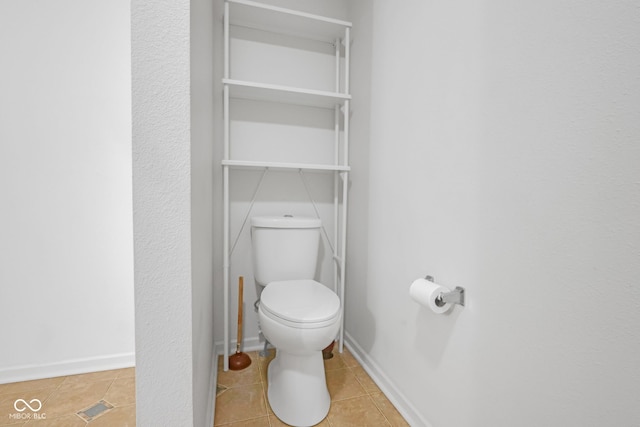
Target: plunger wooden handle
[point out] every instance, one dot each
(240, 298)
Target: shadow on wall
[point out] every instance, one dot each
(360, 321)
(433, 332)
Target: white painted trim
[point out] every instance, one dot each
(249, 344)
(395, 396)
(67, 367)
(213, 387)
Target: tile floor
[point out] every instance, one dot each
(107, 398)
(97, 399)
(355, 399)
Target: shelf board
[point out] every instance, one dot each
(266, 17)
(284, 94)
(284, 166)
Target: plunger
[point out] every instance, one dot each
(239, 360)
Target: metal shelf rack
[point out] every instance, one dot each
(292, 23)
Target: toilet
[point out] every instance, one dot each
(297, 315)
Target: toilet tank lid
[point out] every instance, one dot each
(286, 221)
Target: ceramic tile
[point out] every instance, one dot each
(356, 400)
(266, 398)
(254, 422)
(271, 353)
(6, 421)
(75, 397)
(240, 403)
(122, 392)
(263, 376)
(125, 372)
(347, 382)
(348, 358)
(263, 364)
(220, 389)
(124, 416)
(334, 363)
(356, 412)
(342, 384)
(388, 410)
(91, 377)
(31, 385)
(249, 375)
(7, 401)
(275, 422)
(365, 380)
(64, 421)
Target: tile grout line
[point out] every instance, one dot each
(369, 392)
(52, 393)
(107, 392)
(264, 398)
(380, 410)
(263, 384)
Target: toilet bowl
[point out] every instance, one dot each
(297, 315)
(300, 318)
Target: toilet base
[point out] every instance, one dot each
(298, 391)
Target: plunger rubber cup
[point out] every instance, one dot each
(239, 361)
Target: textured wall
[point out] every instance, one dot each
(503, 158)
(162, 211)
(173, 105)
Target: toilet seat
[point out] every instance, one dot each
(302, 304)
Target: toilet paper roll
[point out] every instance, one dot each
(425, 293)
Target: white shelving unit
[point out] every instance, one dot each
(285, 94)
(296, 24)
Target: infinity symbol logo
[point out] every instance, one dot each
(27, 405)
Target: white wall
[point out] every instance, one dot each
(172, 62)
(66, 276)
(503, 158)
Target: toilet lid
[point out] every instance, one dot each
(300, 301)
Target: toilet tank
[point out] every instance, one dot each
(284, 247)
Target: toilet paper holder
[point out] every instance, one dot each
(455, 296)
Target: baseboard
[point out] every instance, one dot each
(213, 384)
(67, 367)
(249, 344)
(402, 404)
